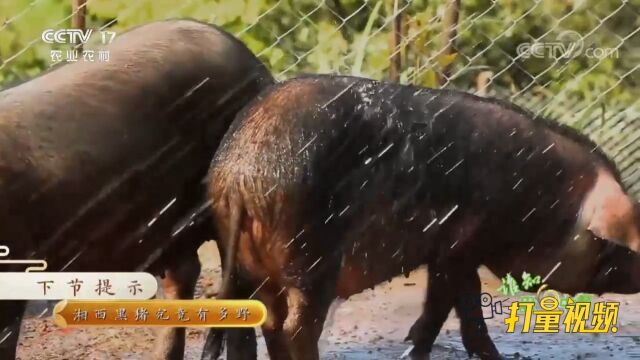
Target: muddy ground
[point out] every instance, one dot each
(370, 325)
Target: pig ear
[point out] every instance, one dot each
(606, 221)
(608, 212)
(613, 221)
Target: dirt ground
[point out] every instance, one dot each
(370, 325)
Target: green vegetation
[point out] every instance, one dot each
(352, 36)
(598, 95)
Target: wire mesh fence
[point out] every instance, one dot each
(576, 61)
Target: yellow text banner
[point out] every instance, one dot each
(160, 312)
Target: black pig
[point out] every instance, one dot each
(102, 162)
(325, 186)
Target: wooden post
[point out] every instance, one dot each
(449, 33)
(482, 83)
(395, 39)
(404, 44)
(78, 18)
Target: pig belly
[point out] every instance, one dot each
(364, 269)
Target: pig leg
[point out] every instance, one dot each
(10, 320)
(475, 336)
(439, 302)
(305, 320)
(178, 283)
(272, 329)
(241, 343)
(450, 287)
(308, 303)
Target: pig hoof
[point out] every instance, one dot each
(486, 356)
(416, 353)
(405, 354)
(414, 330)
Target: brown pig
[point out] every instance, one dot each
(328, 185)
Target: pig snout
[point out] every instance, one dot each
(618, 271)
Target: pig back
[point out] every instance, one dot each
(394, 171)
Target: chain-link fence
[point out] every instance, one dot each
(576, 61)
